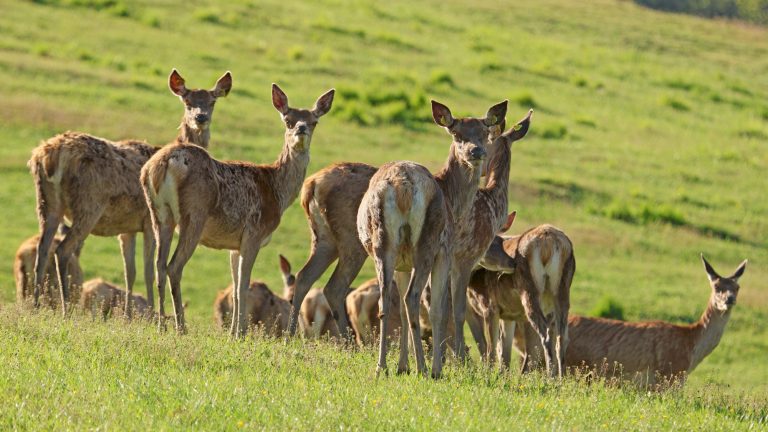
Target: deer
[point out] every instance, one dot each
(266, 309)
(101, 297)
(406, 220)
(93, 184)
(486, 217)
(533, 286)
(652, 354)
(24, 270)
(362, 306)
(331, 199)
(225, 205)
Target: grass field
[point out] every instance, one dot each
(649, 145)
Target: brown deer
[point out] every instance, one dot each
(406, 223)
(94, 184)
(332, 196)
(225, 205)
(363, 310)
(652, 354)
(534, 285)
(24, 271)
(485, 219)
(102, 297)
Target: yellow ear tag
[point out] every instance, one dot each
(517, 127)
(443, 121)
(492, 120)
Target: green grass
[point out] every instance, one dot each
(648, 146)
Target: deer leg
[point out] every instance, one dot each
(384, 261)
(504, 349)
(402, 281)
(493, 327)
(48, 226)
(348, 267)
(249, 249)
(412, 300)
(163, 237)
(459, 281)
(80, 229)
(322, 255)
(190, 230)
(149, 271)
(475, 322)
(562, 307)
(128, 251)
(234, 263)
(538, 321)
(438, 308)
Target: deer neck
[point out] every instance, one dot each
(189, 135)
(459, 183)
(498, 183)
(708, 331)
(288, 174)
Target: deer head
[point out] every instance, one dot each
(199, 103)
(724, 289)
(300, 123)
(470, 135)
(289, 280)
(496, 258)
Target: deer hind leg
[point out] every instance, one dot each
(538, 321)
(562, 308)
(412, 300)
(438, 308)
(322, 255)
(48, 226)
(128, 251)
(149, 270)
(81, 227)
(384, 261)
(459, 281)
(348, 267)
(163, 237)
(504, 348)
(190, 230)
(402, 280)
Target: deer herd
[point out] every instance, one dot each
(436, 240)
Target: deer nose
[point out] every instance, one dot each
(301, 129)
(201, 118)
(477, 153)
(731, 300)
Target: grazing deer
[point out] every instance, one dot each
(406, 223)
(653, 354)
(331, 199)
(363, 310)
(485, 219)
(94, 183)
(535, 284)
(100, 296)
(225, 205)
(24, 271)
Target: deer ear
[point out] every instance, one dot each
(323, 103)
(711, 273)
(176, 84)
(285, 266)
(520, 129)
(442, 114)
(279, 99)
(739, 271)
(496, 114)
(508, 223)
(223, 85)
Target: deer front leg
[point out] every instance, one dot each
(234, 264)
(504, 349)
(249, 249)
(438, 309)
(459, 281)
(128, 251)
(475, 322)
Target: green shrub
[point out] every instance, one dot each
(554, 131)
(525, 100)
(608, 307)
(674, 103)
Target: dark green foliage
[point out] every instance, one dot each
(749, 10)
(608, 307)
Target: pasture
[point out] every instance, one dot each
(649, 145)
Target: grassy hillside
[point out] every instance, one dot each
(649, 145)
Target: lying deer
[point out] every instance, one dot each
(225, 205)
(102, 297)
(533, 284)
(652, 354)
(94, 184)
(363, 310)
(24, 271)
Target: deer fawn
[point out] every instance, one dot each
(225, 205)
(533, 285)
(94, 184)
(24, 270)
(406, 223)
(652, 354)
(363, 310)
(100, 296)
(332, 196)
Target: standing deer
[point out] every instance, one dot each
(406, 222)
(93, 183)
(225, 205)
(539, 285)
(652, 354)
(331, 199)
(24, 270)
(485, 219)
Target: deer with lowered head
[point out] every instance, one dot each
(332, 196)
(532, 284)
(406, 222)
(652, 354)
(93, 184)
(225, 205)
